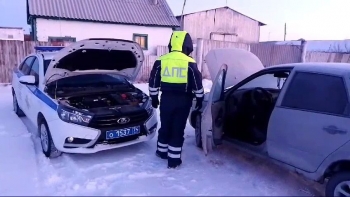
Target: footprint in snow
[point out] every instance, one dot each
(217, 162)
(144, 175)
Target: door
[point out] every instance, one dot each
(310, 120)
(213, 114)
(28, 91)
(22, 88)
(32, 101)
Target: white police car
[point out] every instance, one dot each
(81, 97)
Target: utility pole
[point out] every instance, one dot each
(182, 16)
(285, 31)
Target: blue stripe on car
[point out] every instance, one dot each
(38, 93)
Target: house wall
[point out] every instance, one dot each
(11, 34)
(83, 30)
(223, 20)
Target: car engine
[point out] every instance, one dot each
(104, 100)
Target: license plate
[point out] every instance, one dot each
(119, 133)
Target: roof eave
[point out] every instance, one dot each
(259, 23)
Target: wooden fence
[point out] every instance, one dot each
(13, 52)
(267, 53)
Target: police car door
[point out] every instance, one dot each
(213, 114)
(32, 101)
(21, 89)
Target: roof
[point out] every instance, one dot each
(335, 46)
(11, 28)
(226, 7)
(325, 66)
(135, 12)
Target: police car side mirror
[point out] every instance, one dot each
(27, 80)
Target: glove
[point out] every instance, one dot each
(155, 101)
(199, 103)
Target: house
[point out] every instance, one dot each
(328, 46)
(11, 33)
(223, 24)
(148, 22)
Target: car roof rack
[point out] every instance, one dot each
(48, 48)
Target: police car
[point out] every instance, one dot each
(81, 96)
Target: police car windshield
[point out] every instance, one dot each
(93, 80)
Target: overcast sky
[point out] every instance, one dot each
(308, 19)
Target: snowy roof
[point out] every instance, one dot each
(340, 46)
(136, 12)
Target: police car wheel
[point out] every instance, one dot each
(198, 131)
(47, 145)
(16, 108)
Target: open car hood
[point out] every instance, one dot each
(96, 55)
(240, 64)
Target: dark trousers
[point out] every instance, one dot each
(174, 110)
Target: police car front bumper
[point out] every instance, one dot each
(72, 138)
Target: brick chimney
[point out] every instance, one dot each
(155, 2)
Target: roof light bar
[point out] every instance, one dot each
(48, 48)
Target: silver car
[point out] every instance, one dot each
(296, 114)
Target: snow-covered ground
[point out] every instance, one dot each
(133, 170)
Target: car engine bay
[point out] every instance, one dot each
(103, 100)
(99, 102)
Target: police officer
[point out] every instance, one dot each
(177, 76)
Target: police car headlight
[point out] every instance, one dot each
(72, 116)
(148, 106)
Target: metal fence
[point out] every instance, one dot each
(276, 54)
(327, 57)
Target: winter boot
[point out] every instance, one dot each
(174, 163)
(162, 155)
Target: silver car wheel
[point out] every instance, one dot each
(342, 189)
(14, 103)
(198, 131)
(44, 138)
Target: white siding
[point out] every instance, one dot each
(83, 30)
(11, 34)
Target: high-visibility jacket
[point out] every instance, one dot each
(176, 71)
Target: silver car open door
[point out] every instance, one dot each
(213, 114)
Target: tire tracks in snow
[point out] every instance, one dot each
(19, 171)
(54, 173)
